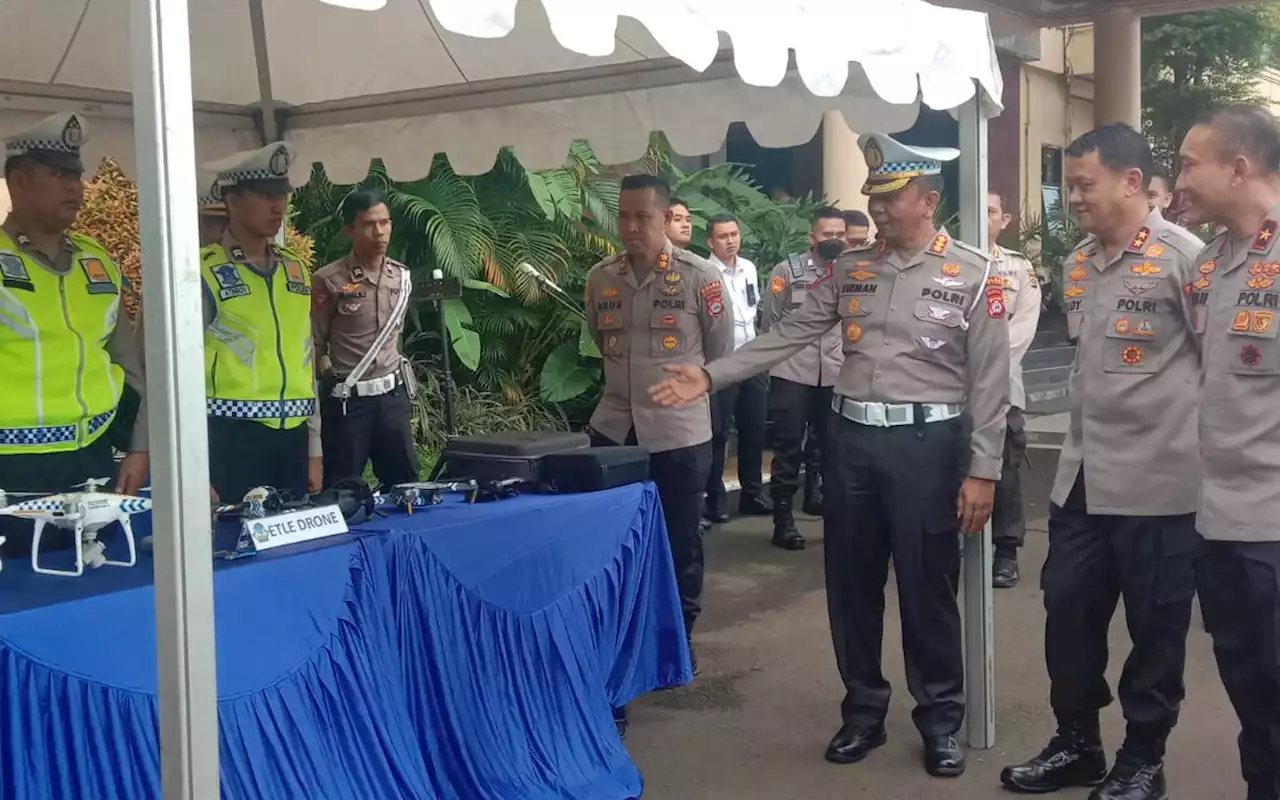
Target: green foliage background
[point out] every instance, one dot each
(523, 359)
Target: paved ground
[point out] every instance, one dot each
(754, 724)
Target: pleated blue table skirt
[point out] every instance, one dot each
(461, 652)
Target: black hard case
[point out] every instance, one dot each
(498, 456)
(595, 468)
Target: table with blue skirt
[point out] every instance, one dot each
(463, 651)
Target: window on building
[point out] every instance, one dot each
(1051, 187)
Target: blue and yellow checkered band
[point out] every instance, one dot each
(895, 175)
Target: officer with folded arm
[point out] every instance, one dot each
(925, 340)
(67, 355)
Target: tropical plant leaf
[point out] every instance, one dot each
(465, 341)
(485, 286)
(565, 375)
(586, 342)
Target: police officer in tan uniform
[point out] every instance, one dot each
(800, 387)
(925, 340)
(358, 306)
(1121, 521)
(1230, 173)
(1022, 292)
(651, 306)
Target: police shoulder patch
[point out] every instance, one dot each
(230, 282)
(13, 272)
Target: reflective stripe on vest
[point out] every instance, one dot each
(258, 350)
(61, 387)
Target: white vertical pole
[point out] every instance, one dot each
(165, 141)
(979, 628)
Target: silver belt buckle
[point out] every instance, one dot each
(876, 414)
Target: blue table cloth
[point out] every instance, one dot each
(460, 652)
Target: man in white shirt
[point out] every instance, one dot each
(680, 228)
(744, 406)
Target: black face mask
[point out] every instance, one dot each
(829, 249)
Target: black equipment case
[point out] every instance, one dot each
(595, 468)
(499, 456)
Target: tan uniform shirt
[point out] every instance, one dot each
(350, 305)
(679, 313)
(1238, 316)
(1022, 293)
(818, 363)
(928, 329)
(125, 345)
(1132, 385)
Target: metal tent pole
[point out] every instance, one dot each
(979, 629)
(161, 74)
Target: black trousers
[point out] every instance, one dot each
(891, 493)
(796, 409)
(1239, 585)
(1008, 525)
(244, 454)
(377, 428)
(49, 473)
(746, 408)
(1094, 560)
(679, 475)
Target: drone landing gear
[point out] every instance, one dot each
(88, 549)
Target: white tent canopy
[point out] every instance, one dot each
(412, 79)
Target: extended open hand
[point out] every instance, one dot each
(686, 384)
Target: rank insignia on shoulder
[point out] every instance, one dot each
(1140, 240)
(14, 273)
(1266, 233)
(664, 262)
(1145, 268)
(795, 263)
(1081, 256)
(777, 285)
(939, 245)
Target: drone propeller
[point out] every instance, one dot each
(92, 484)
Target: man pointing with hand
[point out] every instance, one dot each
(922, 321)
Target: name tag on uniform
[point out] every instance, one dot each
(291, 528)
(751, 294)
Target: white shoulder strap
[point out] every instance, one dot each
(397, 314)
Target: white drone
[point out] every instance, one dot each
(86, 512)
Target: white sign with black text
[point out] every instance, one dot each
(294, 527)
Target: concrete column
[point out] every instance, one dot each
(1117, 69)
(843, 167)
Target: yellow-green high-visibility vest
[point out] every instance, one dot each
(61, 388)
(257, 351)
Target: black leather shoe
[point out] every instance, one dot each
(1004, 572)
(785, 534)
(943, 757)
(1073, 758)
(1133, 779)
(754, 505)
(714, 513)
(812, 497)
(852, 743)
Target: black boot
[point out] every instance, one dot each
(1004, 571)
(812, 494)
(785, 534)
(1074, 757)
(1133, 778)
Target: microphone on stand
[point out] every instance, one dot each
(559, 295)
